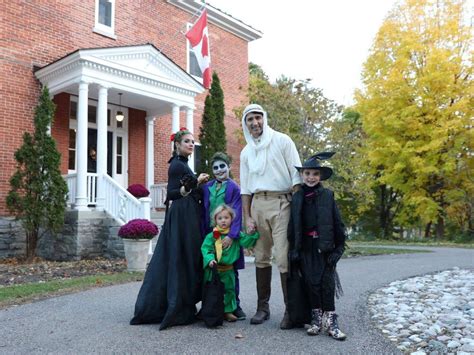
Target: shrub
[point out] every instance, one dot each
(138, 190)
(138, 229)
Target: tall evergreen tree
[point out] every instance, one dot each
(38, 191)
(217, 95)
(212, 133)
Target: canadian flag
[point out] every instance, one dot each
(198, 37)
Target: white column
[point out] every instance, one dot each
(174, 121)
(190, 127)
(81, 148)
(101, 146)
(150, 156)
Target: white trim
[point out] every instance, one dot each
(221, 19)
(101, 28)
(141, 70)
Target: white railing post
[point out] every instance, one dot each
(146, 202)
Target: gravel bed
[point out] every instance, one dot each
(431, 314)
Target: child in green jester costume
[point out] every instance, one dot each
(214, 255)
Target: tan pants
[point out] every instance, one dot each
(271, 212)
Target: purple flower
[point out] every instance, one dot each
(138, 190)
(138, 229)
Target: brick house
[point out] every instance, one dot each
(123, 77)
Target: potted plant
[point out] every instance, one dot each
(138, 190)
(136, 235)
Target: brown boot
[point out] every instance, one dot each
(285, 322)
(264, 281)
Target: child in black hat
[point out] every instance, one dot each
(316, 237)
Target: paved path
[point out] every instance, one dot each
(96, 321)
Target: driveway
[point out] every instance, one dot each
(96, 321)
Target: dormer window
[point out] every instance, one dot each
(105, 18)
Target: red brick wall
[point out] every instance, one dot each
(136, 146)
(60, 128)
(35, 33)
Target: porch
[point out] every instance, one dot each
(115, 82)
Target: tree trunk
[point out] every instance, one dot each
(440, 228)
(31, 241)
(428, 231)
(383, 212)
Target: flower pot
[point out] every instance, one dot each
(136, 253)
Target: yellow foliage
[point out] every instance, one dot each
(417, 104)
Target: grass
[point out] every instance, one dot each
(414, 243)
(24, 293)
(363, 250)
(28, 292)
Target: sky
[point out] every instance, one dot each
(324, 40)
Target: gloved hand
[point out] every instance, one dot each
(294, 255)
(334, 257)
(189, 182)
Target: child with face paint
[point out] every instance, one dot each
(218, 191)
(316, 236)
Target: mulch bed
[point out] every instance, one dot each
(15, 271)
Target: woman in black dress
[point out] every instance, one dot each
(172, 284)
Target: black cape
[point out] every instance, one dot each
(172, 284)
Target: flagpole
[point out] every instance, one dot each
(180, 31)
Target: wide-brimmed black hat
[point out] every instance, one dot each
(315, 163)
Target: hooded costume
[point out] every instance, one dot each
(267, 176)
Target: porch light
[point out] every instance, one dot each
(119, 116)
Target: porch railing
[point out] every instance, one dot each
(71, 188)
(118, 202)
(91, 188)
(158, 195)
(121, 204)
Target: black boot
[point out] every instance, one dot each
(285, 322)
(264, 282)
(316, 321)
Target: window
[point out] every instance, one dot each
(193, 66)
(92, 114)
(105, 12)
(105, 18)
(72, 149)
(197, 156)
(73, 110)
(119, 156)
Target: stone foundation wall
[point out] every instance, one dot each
(12, 238)
(85, 235)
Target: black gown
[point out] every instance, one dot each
(172, 284)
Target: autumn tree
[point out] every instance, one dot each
(38, 191)
(416, 105)
(316, 123)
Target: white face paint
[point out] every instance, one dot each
(220, 169)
